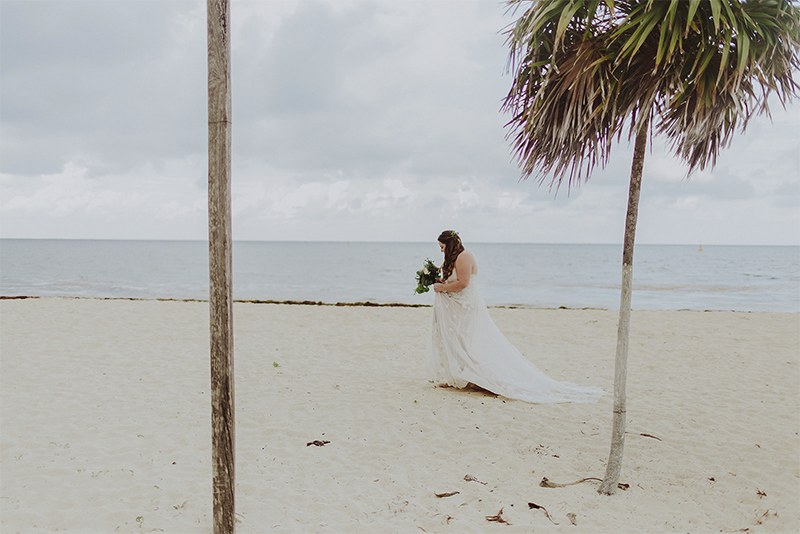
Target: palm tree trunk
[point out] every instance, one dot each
(220, 264)
(611, 479)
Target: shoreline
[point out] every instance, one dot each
(370, 304)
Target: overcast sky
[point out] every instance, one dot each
(353, 120)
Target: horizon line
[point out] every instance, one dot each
(348, 241)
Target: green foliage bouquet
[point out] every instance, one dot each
(427, 276)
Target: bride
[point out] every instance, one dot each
(466, 348)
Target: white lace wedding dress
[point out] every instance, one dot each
(466, 346)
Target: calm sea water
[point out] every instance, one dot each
(674, 277)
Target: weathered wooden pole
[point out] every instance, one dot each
(223, 436)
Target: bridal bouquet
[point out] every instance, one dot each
(427, 276)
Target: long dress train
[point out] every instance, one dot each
(466, 346)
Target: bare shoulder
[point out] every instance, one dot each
(467, 259)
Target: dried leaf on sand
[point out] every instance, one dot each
(534, 506)
(498, 518)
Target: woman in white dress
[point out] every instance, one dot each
(466, 348)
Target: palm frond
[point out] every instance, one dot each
(583, 69)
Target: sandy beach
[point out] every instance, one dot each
(105, 422)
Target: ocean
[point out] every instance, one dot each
(666, 277)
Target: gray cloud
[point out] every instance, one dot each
(338, 88)
(101, 81)
(365, 119)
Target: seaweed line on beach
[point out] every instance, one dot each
(247, 301)
(363, 304)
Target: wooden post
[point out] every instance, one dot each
(223, 442)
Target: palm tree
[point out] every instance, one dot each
(584, 70)
(220, 264)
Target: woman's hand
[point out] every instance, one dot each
(438, 287)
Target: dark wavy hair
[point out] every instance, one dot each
(452, 248)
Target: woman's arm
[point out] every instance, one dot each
(464, 265)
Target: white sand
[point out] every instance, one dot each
(106, 422)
